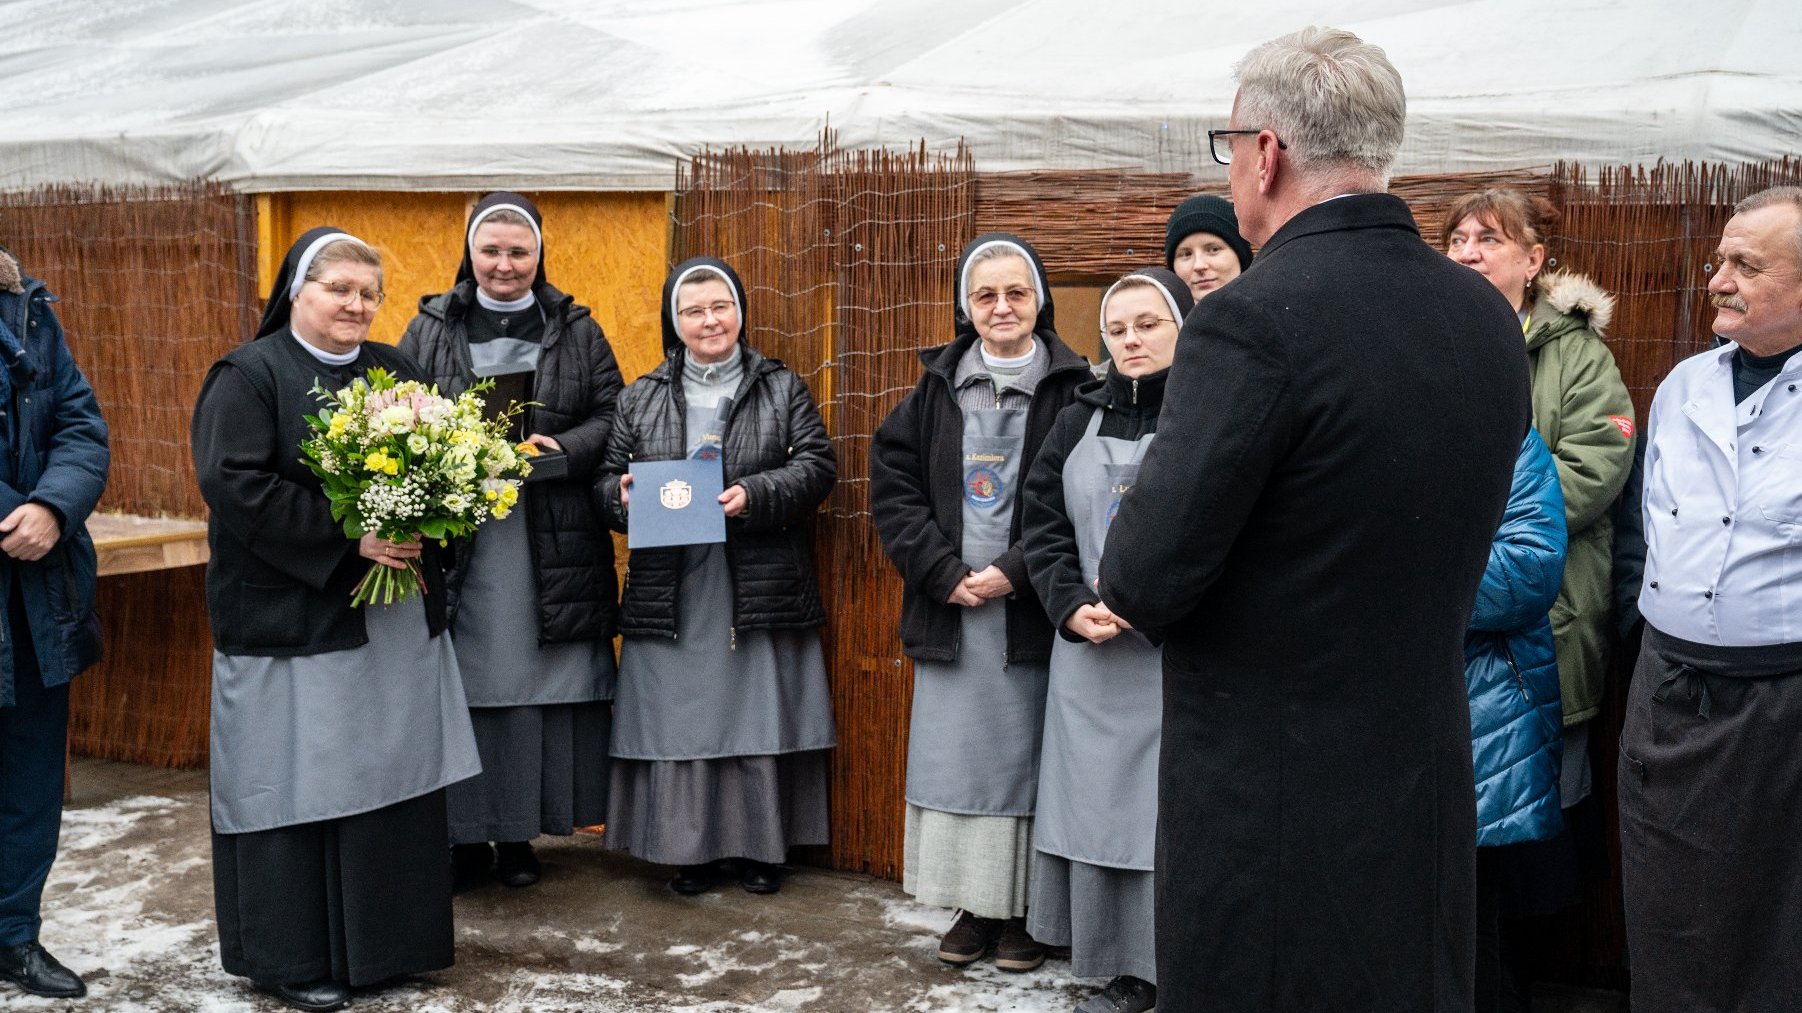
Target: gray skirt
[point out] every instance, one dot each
(300, 740)
(690, 812)
(544, 771)
(1106, 916)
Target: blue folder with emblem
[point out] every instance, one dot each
(676, 503)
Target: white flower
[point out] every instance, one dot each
(417, 443)
(397, 418)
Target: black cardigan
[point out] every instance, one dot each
(282, 570)
(917, 500)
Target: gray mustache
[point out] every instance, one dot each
(1727, 302)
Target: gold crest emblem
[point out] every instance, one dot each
(676, 494)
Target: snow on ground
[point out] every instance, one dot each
(129, 905)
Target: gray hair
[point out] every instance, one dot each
(1791, 195)
(1333, 98)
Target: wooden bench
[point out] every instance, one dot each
(128, 544)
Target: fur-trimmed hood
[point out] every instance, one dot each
(1574, 295)
(12, 279)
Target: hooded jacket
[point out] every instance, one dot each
(774, 444)
(57, 456)
(1583, 411)
(1510, 668)
(917, 494)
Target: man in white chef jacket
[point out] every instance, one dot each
(1711, 755)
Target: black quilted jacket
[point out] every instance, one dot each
(577, 385)
(775, 445)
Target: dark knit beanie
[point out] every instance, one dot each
(1205, 213)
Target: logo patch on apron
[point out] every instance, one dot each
(1624, 424)
(983, 486)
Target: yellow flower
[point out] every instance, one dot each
(509, 496)
(338, 425)
(528, 449)
(501, 510)
(390, 467)
(376, 461)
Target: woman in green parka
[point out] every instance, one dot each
(1582, 410)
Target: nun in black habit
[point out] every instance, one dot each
(533, 597)
(335, 730)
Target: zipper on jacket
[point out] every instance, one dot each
(1519, 679)
(732, 632)
(1135, 392)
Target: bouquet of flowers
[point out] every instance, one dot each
(399, 459)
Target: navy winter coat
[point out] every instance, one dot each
(57, 455)
(1516, 718)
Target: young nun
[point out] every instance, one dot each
(334, 729)
(1097, 807)
(533, 597)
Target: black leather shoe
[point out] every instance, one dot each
(517, 865)
(759, 877)
(313, 996)
(693, 879)
(470, 864)
(33, 969)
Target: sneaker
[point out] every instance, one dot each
(1125, 994)
(968, 939)
(1016, 950)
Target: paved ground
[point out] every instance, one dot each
(130, 907)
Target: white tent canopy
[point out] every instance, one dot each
(389, 94)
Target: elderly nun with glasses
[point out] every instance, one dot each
(946, 468)
(335, 730)
(532, 599)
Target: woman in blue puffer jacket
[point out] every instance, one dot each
(1516, 718)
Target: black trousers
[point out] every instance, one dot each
(33, 737)
(358, 900)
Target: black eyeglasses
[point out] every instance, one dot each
(1223, 152)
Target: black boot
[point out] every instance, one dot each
(470, 864)
(313, 996)
(518, 866)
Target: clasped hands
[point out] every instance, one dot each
(980, 586)
(1096, 623)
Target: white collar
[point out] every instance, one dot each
(329, 358)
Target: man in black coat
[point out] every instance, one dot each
(1308, 533)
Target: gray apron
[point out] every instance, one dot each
(973, 745)
(317, 737)
(1098, 779)
(496, 635)
(709, 693)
